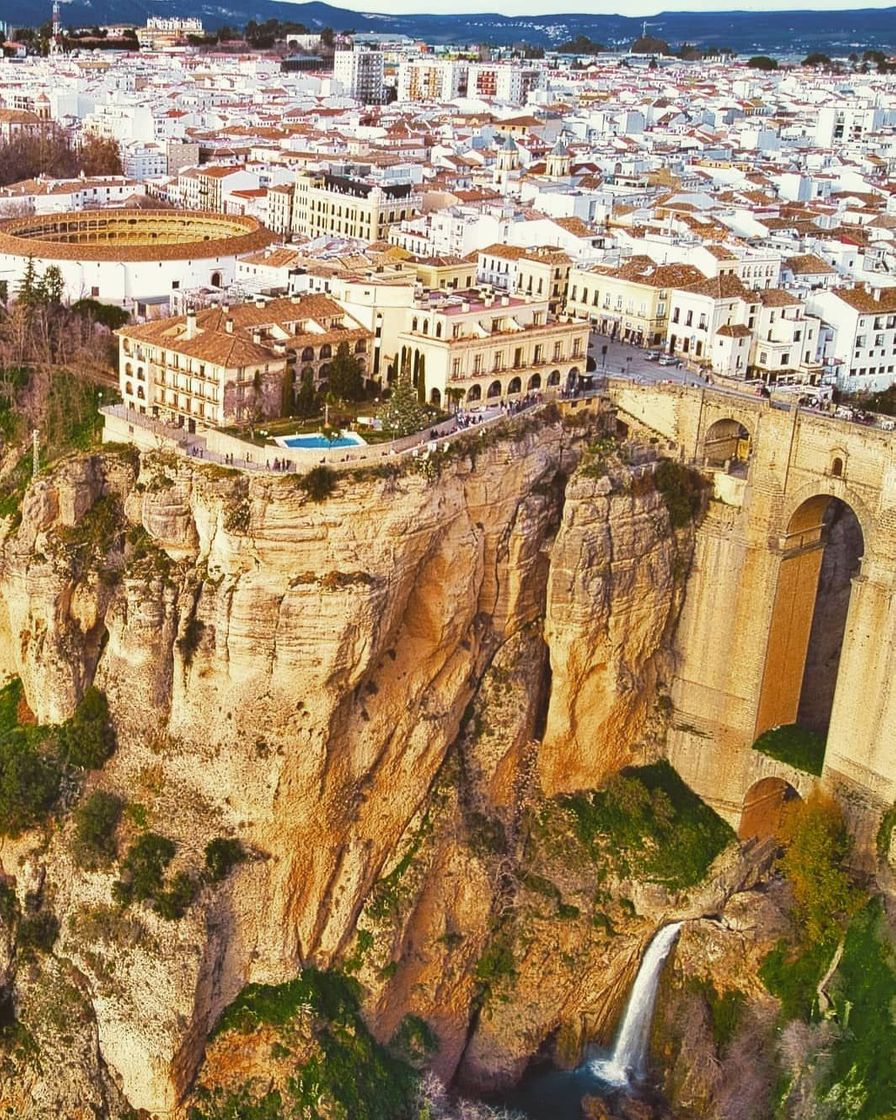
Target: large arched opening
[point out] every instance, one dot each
(765, 805)
(726, 443)
(822, 551)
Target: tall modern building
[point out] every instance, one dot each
(431, 79)
(503, 81)
(361, 74)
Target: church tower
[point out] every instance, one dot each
(508, 160)
(559, 161)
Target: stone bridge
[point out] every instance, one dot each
(789, 614)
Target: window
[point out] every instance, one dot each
(763, 357)
(675, 315)
(702, 322)
(556, 351)
(785, 359)
(477, 364)
(689, 319)
(455, 367)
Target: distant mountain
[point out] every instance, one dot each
(795, 32)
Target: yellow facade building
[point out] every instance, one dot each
(472, 347)
(631, 302)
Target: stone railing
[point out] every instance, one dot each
(124, 425)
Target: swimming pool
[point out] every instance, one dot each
(317, 442)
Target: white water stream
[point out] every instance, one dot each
(628, 1061)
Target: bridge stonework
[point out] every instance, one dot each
(744, 630)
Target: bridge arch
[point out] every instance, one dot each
(725, 442)
(764, 807)
(820, 553)
(822, 490)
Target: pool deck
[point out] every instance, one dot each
(345, 439)
(124, 425)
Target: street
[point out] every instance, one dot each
(631, 362)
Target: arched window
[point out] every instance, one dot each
(361, 346)
(326, 351)
(837, 467)
(308, 354)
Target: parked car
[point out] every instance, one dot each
(888, 423)
(652, 356)
(669, 360)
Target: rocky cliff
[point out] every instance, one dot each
(373, 692)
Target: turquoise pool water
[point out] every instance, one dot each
(315, 442)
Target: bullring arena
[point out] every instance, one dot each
(134, 258)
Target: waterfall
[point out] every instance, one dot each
(629, 1057)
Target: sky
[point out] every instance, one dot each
(643, 8)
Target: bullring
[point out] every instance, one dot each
(130, 257)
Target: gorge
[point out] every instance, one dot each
(423, 717)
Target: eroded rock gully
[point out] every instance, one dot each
(297, 675)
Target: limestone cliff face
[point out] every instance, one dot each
(613, 598)
(294, 673)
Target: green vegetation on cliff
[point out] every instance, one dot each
(35, 759)
(61, 405)
(143, 877)
(319, 1059)
(683, 490)
(863, 994)
(837, 974)
(797, 746)
(650, 825)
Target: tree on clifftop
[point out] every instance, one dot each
(581, 45)
(345, 380)
(648, 44)
(404, 414)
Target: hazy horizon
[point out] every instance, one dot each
(640, 8)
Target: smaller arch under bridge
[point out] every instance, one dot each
(789, 614)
